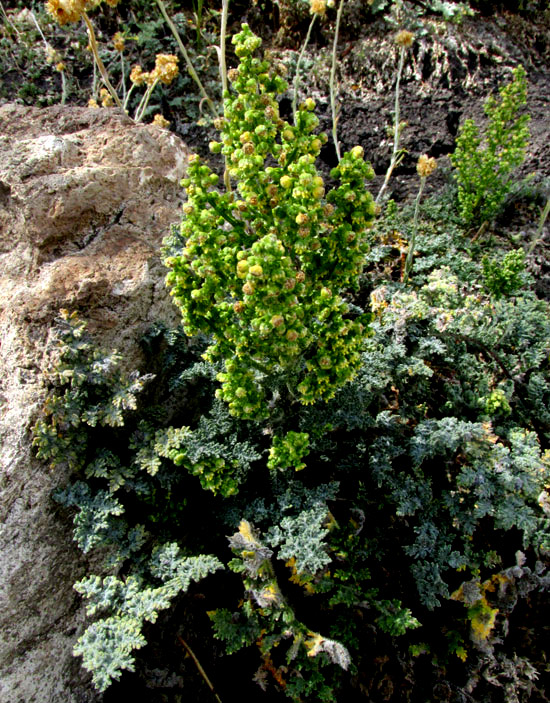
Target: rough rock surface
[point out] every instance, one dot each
(86, 197)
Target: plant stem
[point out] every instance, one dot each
(190, 67)
(410, 253)
(98, 61)
(538, 236)
(199, 667)
(10, 24)
(123, 79)
(94, 81)
(396, 156)
(333, 80)
(223, 33)
(223, 75)
(298, 65)
(127, 98)
(145, 101)
(37, 27)
(64, 91)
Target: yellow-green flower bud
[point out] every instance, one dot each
(316, 145)
(242, 268)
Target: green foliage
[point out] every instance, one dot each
(504, 276)
(301, 538)
(212, 452)
(95, 393)
(428, 466)
(394, 619)
(107, 645)
(288, 451)
(268, 619)
(261, 268)
(484, 164)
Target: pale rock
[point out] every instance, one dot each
(86, 197)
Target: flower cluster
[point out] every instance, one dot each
(404, 39)
(67, 11)
(160, 121)
(106, 98)
(318, 7)
(260, 269)
(289, 451)
(165, 71)
(426, 165)
(166, 68)
(118, 42)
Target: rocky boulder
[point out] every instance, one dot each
(86, 197)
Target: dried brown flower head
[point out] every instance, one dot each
(118, 42)
(426, 166)
(404, 38)
(65, 11)
(318, 7)
(166, 68)
(137, 75)
(160, 121)
(106, 98)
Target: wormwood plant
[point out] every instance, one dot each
(261, 268)
(484, 163)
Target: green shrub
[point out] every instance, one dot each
(261, 269)
(484, 163)
(504, 276)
